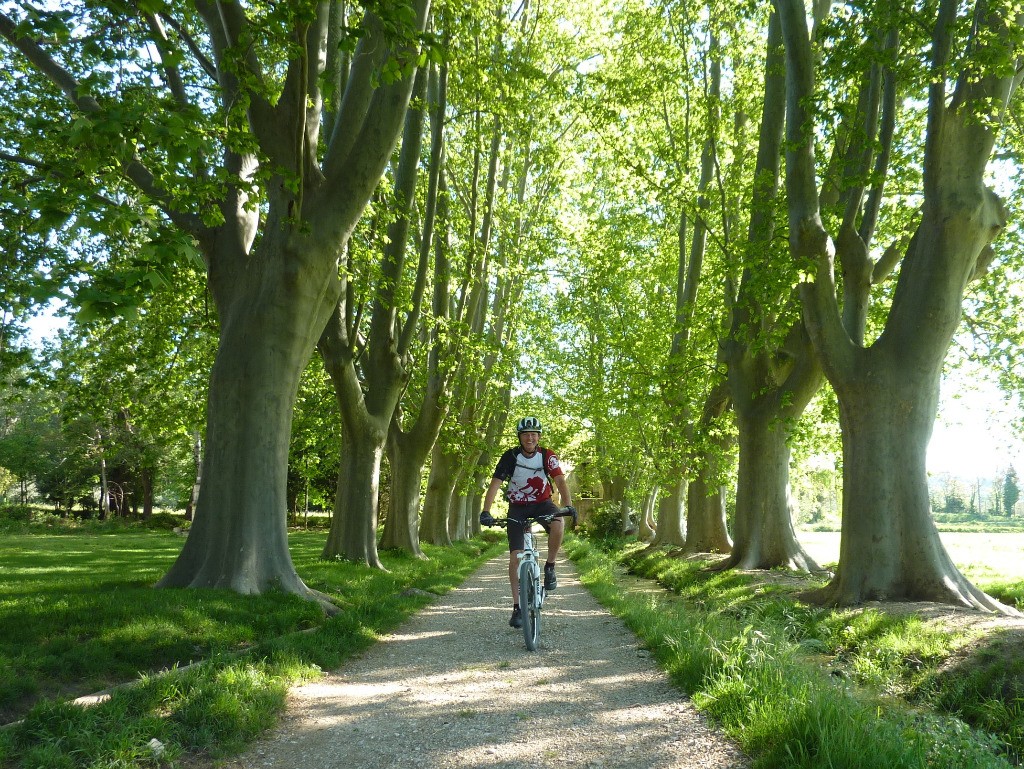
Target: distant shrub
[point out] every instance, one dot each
(28, 520)
(165, 521)
(16, 513)
(604, 522)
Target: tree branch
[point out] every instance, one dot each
(359, 90)
(233, 50)
(437, 87)
(316, 44)
(336, 65)
(134, 169)
(190, 42)
(51, 173)
(809, 242)
(942, 41)
(163, 45)
(885, 138)
(351, 175)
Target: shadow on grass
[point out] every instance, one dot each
(79, 614)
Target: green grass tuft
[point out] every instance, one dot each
(796, 686)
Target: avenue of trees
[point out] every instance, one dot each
(332, 250)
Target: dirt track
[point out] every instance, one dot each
(454, 687)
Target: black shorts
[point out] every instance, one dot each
(522, 513)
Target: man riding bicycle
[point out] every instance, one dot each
(529, 470)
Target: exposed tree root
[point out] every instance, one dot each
(950, 591)
(751, 561)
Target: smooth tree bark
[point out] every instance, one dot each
(647, 527)
(197, 456)
(438, 496)
(457, 449)
(407, 452)
(768, 401)
(772, 370)
(613, 490)
(104, 486)
(764, 534)
(273, 305)
(492, 310)
(271, 242)
(671, 529)
(433, 523)
(706, 529)
(888, 390)
(368, 392)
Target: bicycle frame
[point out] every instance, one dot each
(531, 589)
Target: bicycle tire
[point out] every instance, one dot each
(528, 605)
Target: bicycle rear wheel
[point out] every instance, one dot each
(529, 604)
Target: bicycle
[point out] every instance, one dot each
(531, 588)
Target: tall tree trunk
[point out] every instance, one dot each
(408, 450)
(440, 485)
(670, 516)
(197, 454)
(887, 420)
(458, 517)
(239, 538)
(273, 293)
(614, 491)
(104, 487)
(147, 477)
(460, 526)
(274, 299)
(368, 405)
(353, 534)
(766, 410)
(771, 380)
(706, 529)
(104, 490)
(647, 527)
(365, 419)
(407, 454)
(764, 534)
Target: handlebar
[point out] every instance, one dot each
(530, 519)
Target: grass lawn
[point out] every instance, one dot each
(78, 614)
(981, 557)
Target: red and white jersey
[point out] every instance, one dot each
(528, 477)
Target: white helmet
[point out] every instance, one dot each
(529, 425)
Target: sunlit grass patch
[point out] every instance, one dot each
(1007, 592)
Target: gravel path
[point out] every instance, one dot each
(454, 687)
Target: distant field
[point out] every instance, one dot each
(980, 556)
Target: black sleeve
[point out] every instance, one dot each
(506, 465)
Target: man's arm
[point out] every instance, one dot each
(486, 519)
(563, 490)
(492, 492)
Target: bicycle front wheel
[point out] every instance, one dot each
(529, 604)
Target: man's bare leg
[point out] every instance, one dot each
(555, 535)
(513, 574)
